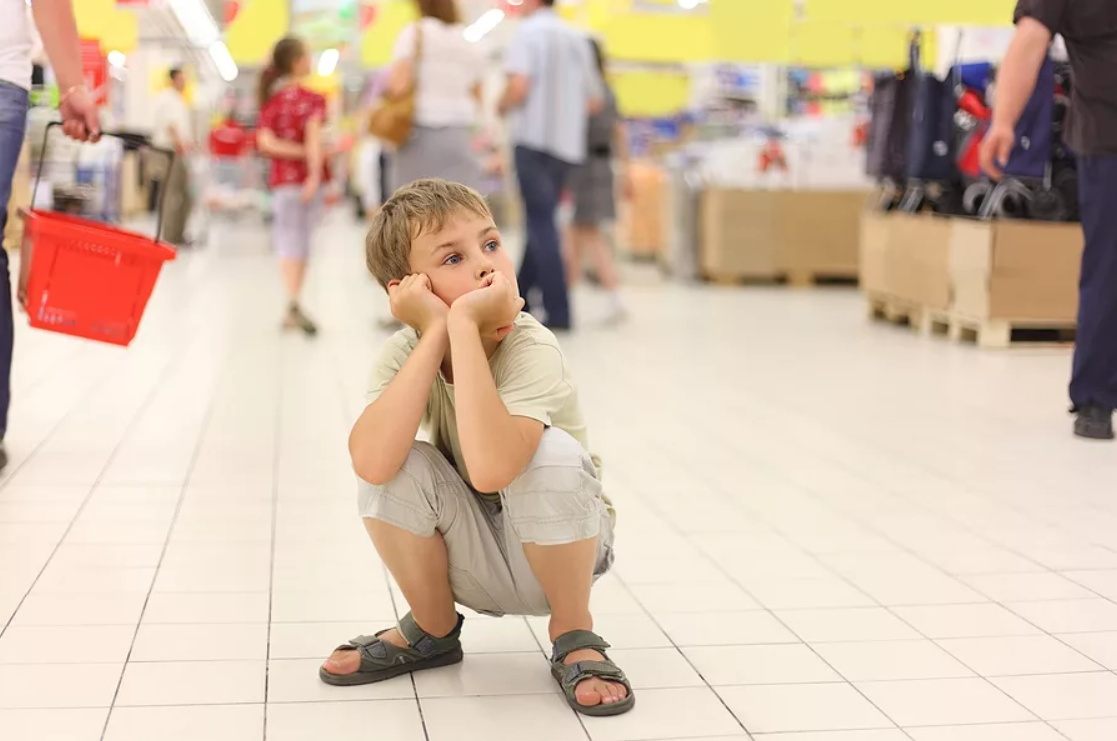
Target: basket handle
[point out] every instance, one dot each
(135, 140)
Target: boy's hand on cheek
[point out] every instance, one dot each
(493, 308)
(414, 303)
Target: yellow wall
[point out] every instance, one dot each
(253, 33)
(910, 12)
(378, 41)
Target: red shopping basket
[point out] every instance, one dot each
(86, 278)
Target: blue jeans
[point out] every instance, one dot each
(541, 179)
(13, 124)
(1095, 357)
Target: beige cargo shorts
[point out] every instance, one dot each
(556, 500)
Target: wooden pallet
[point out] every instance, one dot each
(997, 333)
(793, 279)
(886, 308)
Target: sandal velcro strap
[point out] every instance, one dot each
(423, 642)
(577, 640)
(581, 670)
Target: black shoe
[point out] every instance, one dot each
(1094, 423)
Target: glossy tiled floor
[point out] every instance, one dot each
(829, 531)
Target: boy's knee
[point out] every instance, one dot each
(557, 498)
(410, 500)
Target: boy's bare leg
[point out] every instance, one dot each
(566, 574)
(421, 568)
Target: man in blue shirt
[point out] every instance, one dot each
(553, 87)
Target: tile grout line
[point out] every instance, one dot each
(277, 437)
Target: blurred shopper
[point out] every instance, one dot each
(59, 34)
(173, 130)
(595, 201)
(290, 133)
(553, 87)
(433, 55)
(1090, 30)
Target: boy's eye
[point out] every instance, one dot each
(452, 260)
(492, 245)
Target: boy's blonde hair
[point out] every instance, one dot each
(413, 209)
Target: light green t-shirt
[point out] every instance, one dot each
(531, 377)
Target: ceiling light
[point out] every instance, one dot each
(117, 59)
(221, 57)
(483, 25)
(327, 63)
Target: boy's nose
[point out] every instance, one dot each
(485, 270)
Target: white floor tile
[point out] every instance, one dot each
(666, 714)
(993, 732)
(297, 680)
(993, 657)
(1101, 647)
(725, 628)
(802, 707)
(933, 702)
(71, 724)
(965, 621)
(786, 664)
(100, 644)
(384, 719)
(1101, 582)
(656, 668)
(1017, 587)
(856, 624)
(543, 717)
(207, 608)
(878, 735)
(891, 660)
(201, 642)
(1069, 616)
(795, 594)
(488, 674)
(695, 597)
(58, 686)
(80, 609)
(1087, 730)
(211, 722)
(1064, 696)
(309, 607)
(192, 683)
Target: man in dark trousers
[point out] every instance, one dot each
(1089, 28)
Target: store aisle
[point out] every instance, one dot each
(824, 526)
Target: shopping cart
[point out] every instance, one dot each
(86, 278)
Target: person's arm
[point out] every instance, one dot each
(401, 70)
(385, 431)
(624, 158)
(382, 437)
(312, 141)
(58, 30)
(496, 446)
(595, 86)
(519, 66)
(272, 146)
(1016, 81)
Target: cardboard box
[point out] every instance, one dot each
(876, 231)
(1016, 271)
(775, 233)
(919, 266)
(642, 227)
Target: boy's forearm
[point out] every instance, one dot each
(385, 431)
(493, 445)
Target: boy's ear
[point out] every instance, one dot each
(393, 283)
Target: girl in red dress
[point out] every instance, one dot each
(289, 132)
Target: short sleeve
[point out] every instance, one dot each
(1051, 13)
(519, 59)
(405, 43)
(533, 382)
(392, 356)
(318, 107)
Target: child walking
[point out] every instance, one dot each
(502, 511)
(290, 134)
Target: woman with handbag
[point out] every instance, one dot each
(432, 99)
(289, 132)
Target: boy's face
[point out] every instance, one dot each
(458, 258)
